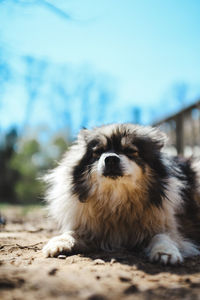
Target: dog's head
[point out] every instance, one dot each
(115, 154)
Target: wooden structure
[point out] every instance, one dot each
(183, 130)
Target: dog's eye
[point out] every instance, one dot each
(97, 152)
(131, 151)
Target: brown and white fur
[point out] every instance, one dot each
(115, 189)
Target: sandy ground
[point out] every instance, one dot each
(26, 274)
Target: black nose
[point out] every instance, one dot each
(111, 161)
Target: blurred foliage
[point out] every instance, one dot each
(7, 175)
(22, 162)
(27, 187)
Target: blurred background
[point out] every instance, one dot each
(68, 64)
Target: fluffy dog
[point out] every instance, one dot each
(115, 189)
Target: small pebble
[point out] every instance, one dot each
(70, 260)
(113, 260)
(124, 279)
(30, 262)
(99, 262)
(62, 256)
(131, 289)
(53, 271)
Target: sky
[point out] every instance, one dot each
(145, 49)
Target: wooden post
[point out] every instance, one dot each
(179, 134)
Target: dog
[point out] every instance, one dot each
(117, 189)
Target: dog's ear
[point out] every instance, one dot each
(151, 135)
(88, 136)
(158, 137)
(84, 134)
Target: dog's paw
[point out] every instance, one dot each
(59, 244)
(163, 250)
(166, 256)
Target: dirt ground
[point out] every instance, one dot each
(26, 274)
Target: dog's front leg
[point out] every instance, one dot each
(65, 243)
(164, 250)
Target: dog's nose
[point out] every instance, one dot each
(111, 161)
(112, 167)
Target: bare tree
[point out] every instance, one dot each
(53, 8)
(34, 79)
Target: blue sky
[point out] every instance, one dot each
(144, 47)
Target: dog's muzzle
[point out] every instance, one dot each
(112, 167)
